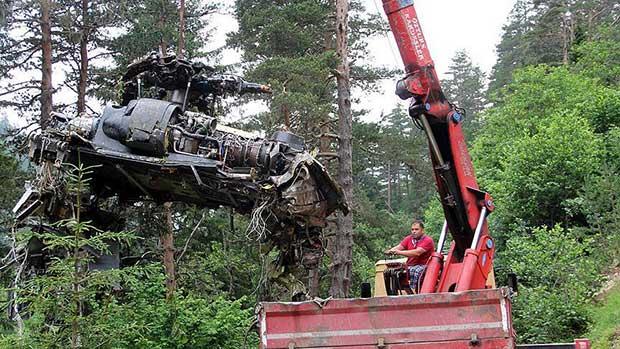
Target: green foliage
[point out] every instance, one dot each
(153, 23)
(465, 87)
(288, 28)
(512, 50)
(12, 177)
(391, 164)
(599, 204)
(548, 154)
(87, 22)
(302, 90)
(286, 44)
(229, 270)
(291, 45)
(218, 259)
(142, 318)
(612, 148)
(548, 32)
(538, 145)
(213, 254)
(601, 58)
(16, 52)
(187, 321)
(557, 279)
(59, 302)
(434, 219)
(546, 169)
(74, 306)
(542, 314)
(375, 230)
(363, 270)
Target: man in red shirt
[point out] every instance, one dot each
(418, 248)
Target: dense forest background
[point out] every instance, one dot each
(544, 131)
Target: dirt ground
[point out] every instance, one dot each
(613, 280)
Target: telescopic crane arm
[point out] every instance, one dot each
(470, 260)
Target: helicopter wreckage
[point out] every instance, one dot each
(164, 144)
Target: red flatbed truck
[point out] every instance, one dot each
(458, 305)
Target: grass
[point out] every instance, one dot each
(605, 329)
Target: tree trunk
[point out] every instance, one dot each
(407, 179)
(167, 242)
(231, 220)
(287, 116)
(342, 243)
(566, 39)
(163, 47)
(314, 282)
(46, 66)
(77, 271)
(325, 143)
(389, 186)
(81, 103)
(181, 51)
(399, 194)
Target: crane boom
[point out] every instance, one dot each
(465, 205)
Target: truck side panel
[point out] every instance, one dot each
(452, 320)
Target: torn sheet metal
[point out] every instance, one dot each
(154, 148)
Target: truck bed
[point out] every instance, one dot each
(479, 319)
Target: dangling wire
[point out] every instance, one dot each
(257, 228)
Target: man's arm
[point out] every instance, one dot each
(395, 249)
(411, 253)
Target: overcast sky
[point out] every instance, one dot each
(448, 25)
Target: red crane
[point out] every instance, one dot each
(465, 206)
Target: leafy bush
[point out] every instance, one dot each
(148, 320)
(540, 143)
(143, 318)
(547, 168)
(557, 278)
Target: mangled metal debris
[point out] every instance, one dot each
(164, 143)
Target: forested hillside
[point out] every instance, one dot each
(543, 129)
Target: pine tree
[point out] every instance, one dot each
(510, 49)
(151, 26)
(392, 165)
(291, 45)
(341, 244)
(83, 35)
(63, 303)
(287, 46)
(546, 32)
(465, 88)
(28, 52)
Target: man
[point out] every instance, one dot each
(418, 248)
